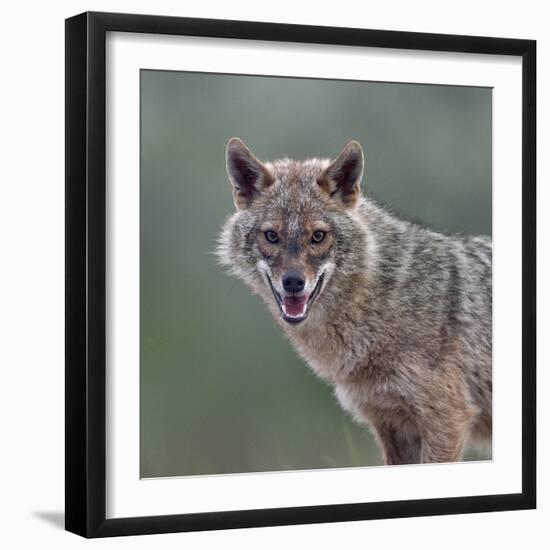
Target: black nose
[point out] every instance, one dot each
(293, 281)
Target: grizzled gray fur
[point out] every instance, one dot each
(396, 317)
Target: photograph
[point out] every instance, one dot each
(315, 277)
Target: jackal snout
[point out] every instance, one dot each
(293, 282)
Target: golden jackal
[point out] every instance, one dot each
(395, 316)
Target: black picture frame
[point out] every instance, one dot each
(86, 274)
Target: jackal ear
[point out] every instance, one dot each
(341, 179)
(247, 174)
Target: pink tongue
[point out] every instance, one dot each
(295, 306)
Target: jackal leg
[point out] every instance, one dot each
(443, 441)
(400, 443)
(446, 441)
(444, 414)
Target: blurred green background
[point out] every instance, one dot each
(214, 399)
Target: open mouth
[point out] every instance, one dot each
(294, 308)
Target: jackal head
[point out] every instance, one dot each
(295, 235)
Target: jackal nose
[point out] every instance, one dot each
(293, 281)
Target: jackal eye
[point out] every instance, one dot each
(317, 236)
(271, 236)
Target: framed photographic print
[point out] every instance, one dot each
(300, 274)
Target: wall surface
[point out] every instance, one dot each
(32, 274)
